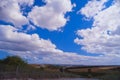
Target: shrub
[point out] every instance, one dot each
(13, 60)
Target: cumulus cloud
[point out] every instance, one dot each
(93, 7)
(104, 36)
(18, 41)
(52, 15)
(35, 49)
(60, 57)
(26, 2)
(10, 12)
(31, 46)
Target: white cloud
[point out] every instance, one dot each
(60, 57)
(52, 15)
(104, 36)
(30, 47)
(93, 7)
(10, 12)
(26, 2)
(35, 49)
(12, 40)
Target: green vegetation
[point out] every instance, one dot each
(13, 60)
(15, 67)
(110, 73)
(113, 74)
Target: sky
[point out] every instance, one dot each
(80, 32)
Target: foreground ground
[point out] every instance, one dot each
(15, 68)
(100, 72)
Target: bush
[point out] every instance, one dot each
(13, 60)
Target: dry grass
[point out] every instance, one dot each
(94, 69)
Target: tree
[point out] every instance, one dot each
(13, 60)
(1, 61)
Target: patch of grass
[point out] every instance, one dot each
(15, 67)
(111, 75)
(100, 73)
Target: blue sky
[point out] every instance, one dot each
(61, 32)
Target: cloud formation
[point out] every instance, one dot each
(18, 41)
(10, 12)
(104, 36)
(26, 2)
(31, 46)
(52, 15)
(35, 49)
(93, 7)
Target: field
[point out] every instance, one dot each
(54, 71)
(15, 67)
(100, 72)
(25, 72)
